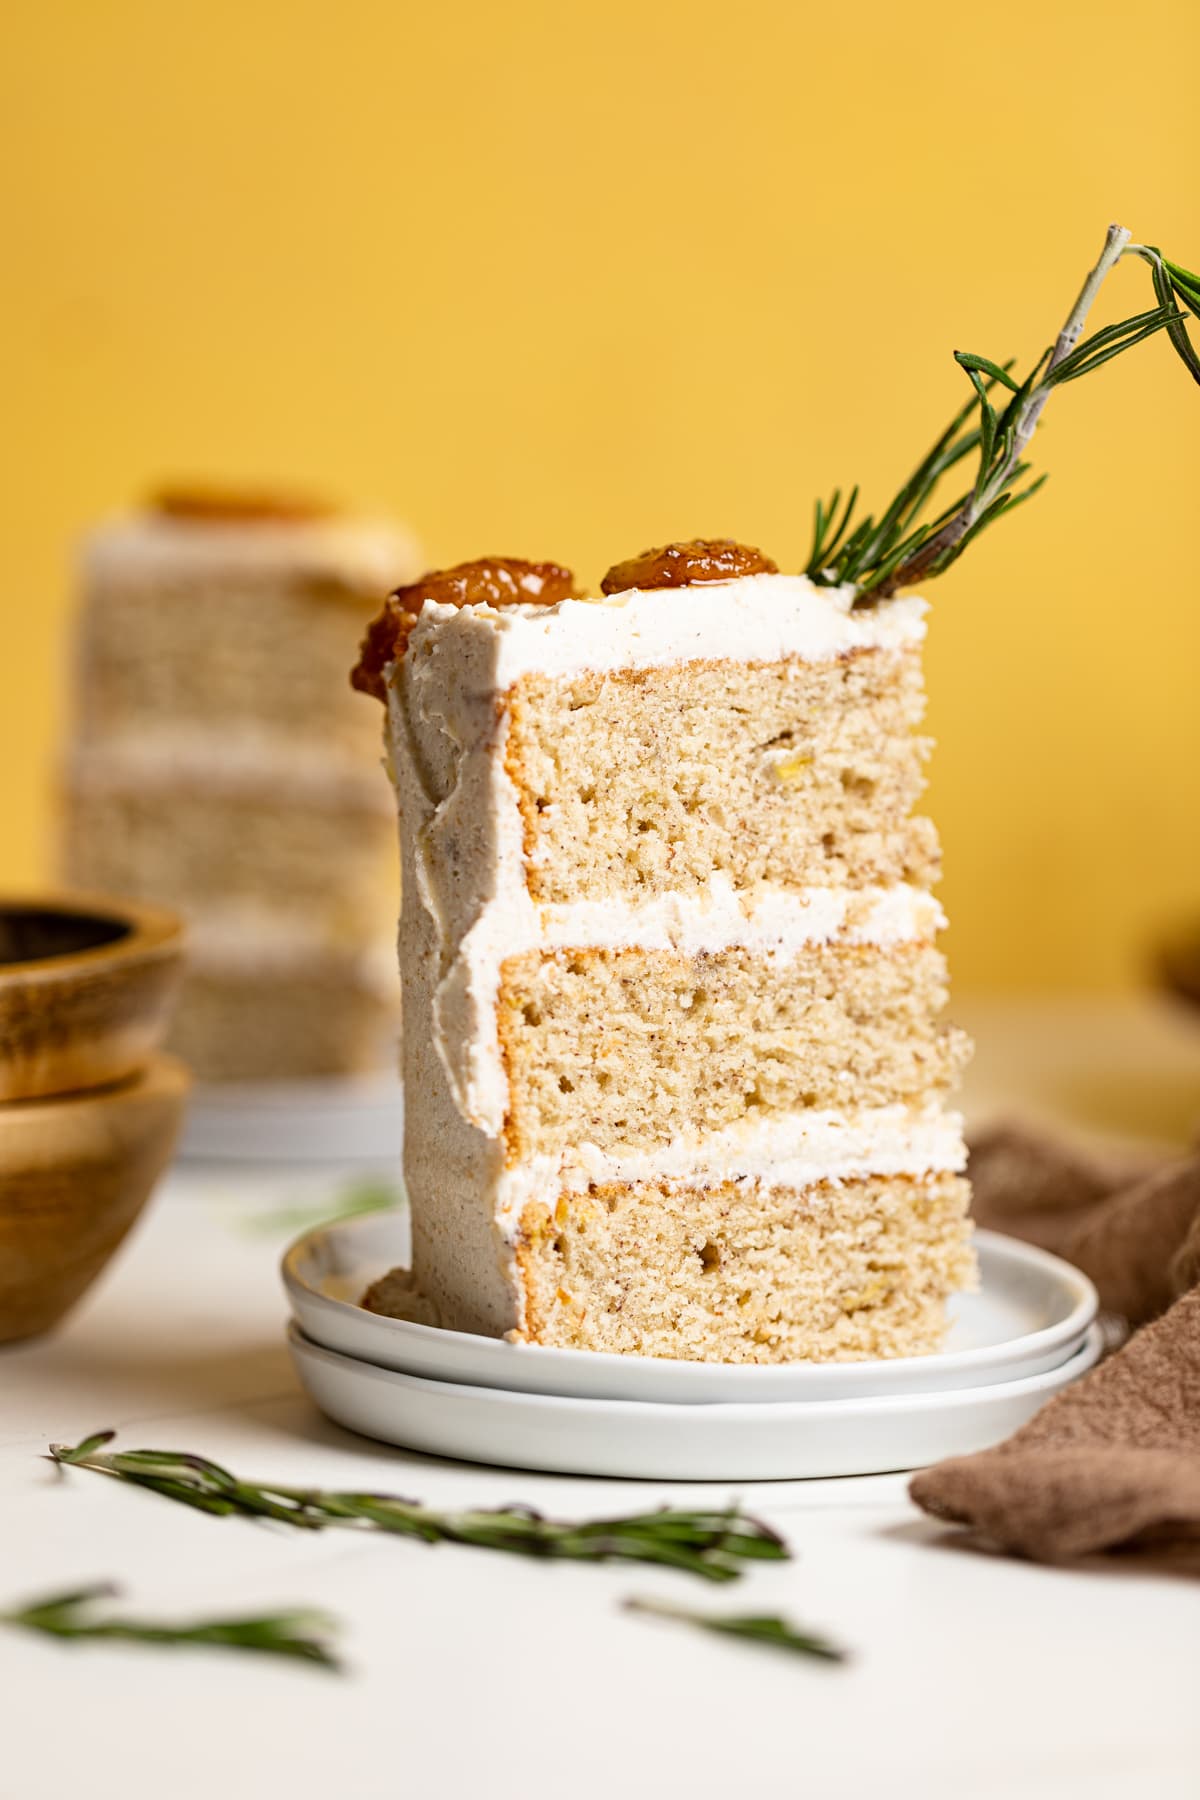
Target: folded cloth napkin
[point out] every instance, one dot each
(1113, 1462)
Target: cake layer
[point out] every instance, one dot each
(747, 1272)
(628, 1049)
(196, 849)
(798, 773)
(282, 1025)
(200, 645)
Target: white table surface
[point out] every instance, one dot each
(475, 1674)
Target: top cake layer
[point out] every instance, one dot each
(758, 730)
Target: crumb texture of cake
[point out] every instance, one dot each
(676, 1064)
(804, 774)
(632, 1048)
(838, 1271)
(218, 763)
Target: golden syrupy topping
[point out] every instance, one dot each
(213, 505)
(490, 581)
(678, 565)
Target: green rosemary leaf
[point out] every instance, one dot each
(966, 359)
(349, 1202)
(1109, 343)
(838, 529)
(710, 1544)
(987, 431)
(761, 1628)
(1183, 280)
(81, 1451)
(1167, 286)
(299, 1634)
(1107, 335)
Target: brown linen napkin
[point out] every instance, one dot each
(1112, 1463)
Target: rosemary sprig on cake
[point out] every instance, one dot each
(709, 1543)
(299, 1635)
(879, 556)
(761, 1628)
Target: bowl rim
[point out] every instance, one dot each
(152, 931)
(163, 1075)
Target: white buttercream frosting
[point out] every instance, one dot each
(367, 554)
(770, 920)
(759, 618)
(796, 1150)
(240, 937)
(146, 758)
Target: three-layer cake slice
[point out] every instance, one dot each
(674, 1061)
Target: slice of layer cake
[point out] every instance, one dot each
(196, 776)
(674, 1062)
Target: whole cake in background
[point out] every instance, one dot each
(217, 763)
(674, 1064)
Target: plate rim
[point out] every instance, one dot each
(717, 1412)
(762, 1376)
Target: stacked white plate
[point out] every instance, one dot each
(1029, 1331)
(342, 1119)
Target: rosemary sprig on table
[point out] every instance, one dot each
(763, 1628)
(710, 1544)
(299, 1635)
(879, 556)
(349, 1202)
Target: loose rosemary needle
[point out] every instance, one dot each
(300, 1635)
(762, 1628)
(877, 557)
(712, 1544)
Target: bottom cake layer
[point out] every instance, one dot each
(747, 1272)
(282, 1026)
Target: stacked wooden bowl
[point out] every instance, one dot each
(89, 1106)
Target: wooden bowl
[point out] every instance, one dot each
(86, 989)
(74, 1174)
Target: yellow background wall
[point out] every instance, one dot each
(566, 277)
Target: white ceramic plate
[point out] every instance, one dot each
(791, 1440)
(1030, 1315)
(351, 1119)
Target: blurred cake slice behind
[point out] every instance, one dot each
(217, 763)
